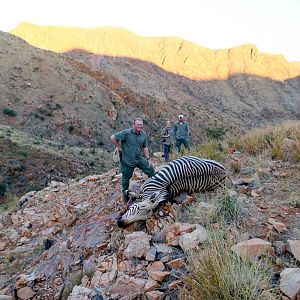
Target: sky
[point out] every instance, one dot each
(272, 25)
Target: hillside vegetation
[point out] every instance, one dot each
(30, 162)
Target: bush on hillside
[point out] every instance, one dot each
(10, 204)
(217, 133)
(2, 189)
(71, 128)
(9, 112)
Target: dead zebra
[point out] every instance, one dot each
(186, 174)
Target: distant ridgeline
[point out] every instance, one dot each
(170, 53)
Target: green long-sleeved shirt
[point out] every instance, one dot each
(181, 130)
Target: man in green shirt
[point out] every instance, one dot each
(131, 143)
(182, 133)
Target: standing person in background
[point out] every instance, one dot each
(167, 139)
(182, 133)
(131, 143)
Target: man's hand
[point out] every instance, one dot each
(149, 161)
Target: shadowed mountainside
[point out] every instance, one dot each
(235, 88)
(82, 101)
(52, 97)
(241, 102)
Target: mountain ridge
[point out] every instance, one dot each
(170, 53)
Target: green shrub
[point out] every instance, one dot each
(45, 112)
(294, 201)
(71, 128)
(9, 112)
(3, 188)
(228, 208)
(216, 133)
(38, 116)
(23, 153)
(235, 167)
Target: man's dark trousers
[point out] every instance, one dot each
(127, 172)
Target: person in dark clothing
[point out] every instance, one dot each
(182, 133)
(167, 140)
(132, 143)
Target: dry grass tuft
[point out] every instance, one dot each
(73, 280)
(211, 150)
(228, 209)
(11, 204)
(218, 274)
(270, 139)
(221, 209)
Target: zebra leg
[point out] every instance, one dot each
(130, 195)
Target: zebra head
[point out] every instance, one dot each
(140, 211)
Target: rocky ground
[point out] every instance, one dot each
(63, 242)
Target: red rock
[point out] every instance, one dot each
(159, 275)
(176, 263)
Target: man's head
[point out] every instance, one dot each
(138, 124)
(168, 123)
(180, 118)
